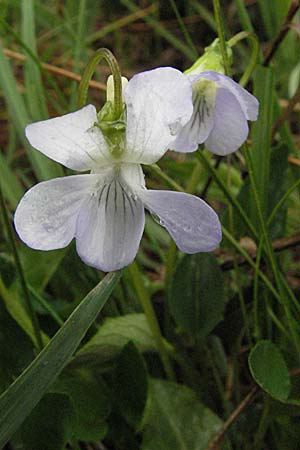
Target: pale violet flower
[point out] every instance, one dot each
(221, 111)
(104, 209)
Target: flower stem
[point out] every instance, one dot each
(254, 55)
(88, 73)
(145, 301)
(29, 305)
(221, 34)
(163, 176)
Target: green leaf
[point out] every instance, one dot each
(22, 396)
(176, 420)
(131, 384)
(91, 400)
(196, 298)
(116, 332)
(269, 369)
(49, 425)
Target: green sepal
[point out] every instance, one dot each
(211, 59)
(112, 129)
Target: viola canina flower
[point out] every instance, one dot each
(104, 209)
(221, 108)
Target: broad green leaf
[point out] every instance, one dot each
(21, 397)
(176, 420)
(116, 332)
(130, 384)
(269, 369)
(49, 425)
(196, 297)
(91, 400)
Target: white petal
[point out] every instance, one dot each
(230, 125)
(191, 222)
(109, 227)
(46, 216)
(200, 124)
(159, 103)
(247, 101)
(71, 140)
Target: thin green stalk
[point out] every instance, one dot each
(221, 34)
(30, 308)
(279, 279)
(254, 54)
(255, 289)
(204, 160)
(281, 202)
(102, 53)
(163, 176)
(194, 179)
(145, 301)
(184, 29)
(250, 261)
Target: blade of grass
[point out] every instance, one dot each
(184, 29)
(79, 46)
(118, 24)
(43, 167)
(12, 189)
(21, 397)
(166, 34)
(34, 91)
(205, 14)
(243, 15)
(261, 135)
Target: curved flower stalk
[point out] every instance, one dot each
(104, 209)
(221, 108)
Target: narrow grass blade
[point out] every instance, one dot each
(12, 189)
(43, 167)
(34, 91)
(261, 133)
(20, 398)
(166, 34)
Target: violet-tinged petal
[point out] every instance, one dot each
(46, 216)
(247, 101)
(199, 126)
(159, 103)
(230, 125)
(109, 227)
(192, 223)
(71, 140)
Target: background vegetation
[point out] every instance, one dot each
(226, 373)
